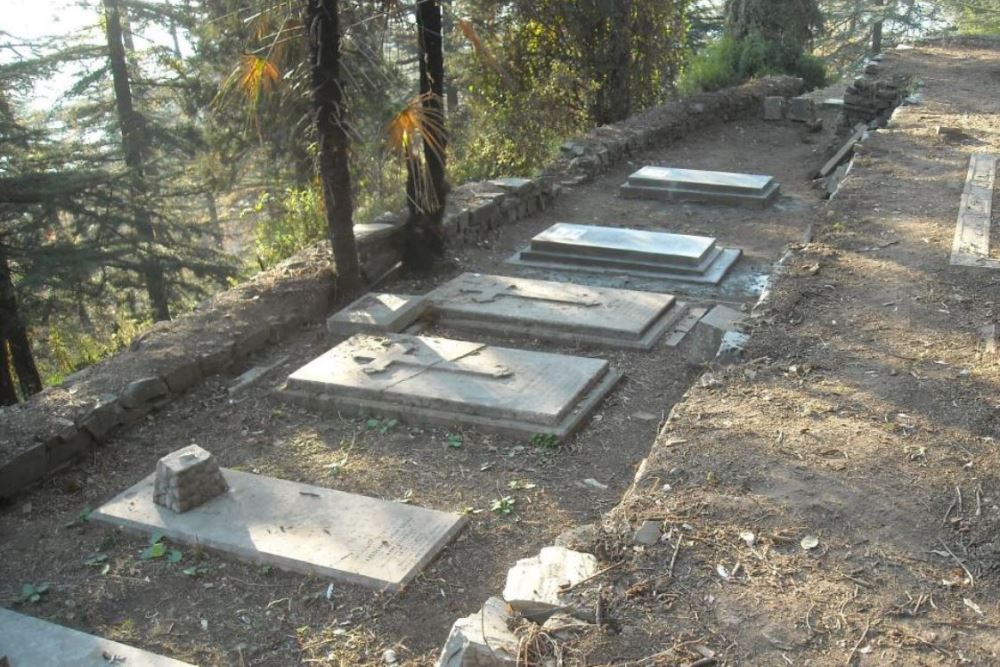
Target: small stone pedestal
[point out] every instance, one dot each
(774, 108)
(187, 478)
(802, 110)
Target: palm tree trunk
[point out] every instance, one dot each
(334, 168)
(877, 30)
(133, 145)
(424, 232)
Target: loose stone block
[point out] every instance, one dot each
(31, 642)
(377, 313)
(187, 478)
(141, 392)
(971, 246)
(447, 382)
(540, 581)
(802, 109)
(297, 527)
(556, 311)
(710, 332)
(774, 108)
(483, 639)
(566, 246)
(712, 187)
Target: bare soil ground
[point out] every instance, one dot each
(843, 427)
(836, 500)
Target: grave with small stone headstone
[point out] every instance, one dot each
(297, 527)
(560, 311)
(439, 381)
(682, 257)
(694, 185)
(187, 478)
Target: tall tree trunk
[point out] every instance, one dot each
(17, 353)
(614, 64)
(8, 395)
(424, 230)
(133, 145)
(877, 28)
(323, 20)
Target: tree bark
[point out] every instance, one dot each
(613, 64)
(14, 340)
(424, 231)
(877, 29)
(133, 145)
(323, 20)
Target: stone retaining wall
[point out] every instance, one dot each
(64, 422)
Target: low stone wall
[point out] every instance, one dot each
(62, 423)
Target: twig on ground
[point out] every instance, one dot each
(972, 580)
(857, 644)
(590, 578)
(673, 558)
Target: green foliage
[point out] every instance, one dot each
(382, 426)
(158, 549)
(284, 226)
(454, 441)
(545, 441)
(68, 347)
(729, 61)
(33, 592)
(503, 506)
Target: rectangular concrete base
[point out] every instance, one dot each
(713, 275)
(31, 642)
(297, 527)
(694, 185)
(560, 311)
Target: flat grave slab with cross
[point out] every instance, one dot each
(560, 311)
(29, 641)
(711, 187)
(297, 527)
(444, 382)
(681, 257)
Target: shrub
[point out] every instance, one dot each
(284, 227)
(728, 61)
(713, 68)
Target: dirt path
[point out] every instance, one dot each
(819, 436)
(868, 419)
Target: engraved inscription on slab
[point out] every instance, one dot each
(971, 246)
(559, 311)
(438, 380)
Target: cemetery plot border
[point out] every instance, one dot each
(972, 233)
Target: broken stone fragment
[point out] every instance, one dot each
(542, 580)
(648, 533)
(483, 639)
(187, 478)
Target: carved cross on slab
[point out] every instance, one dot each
(487, 292)
(404, 355)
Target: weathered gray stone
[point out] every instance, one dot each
(541, 580)
(483, 639)
(610, 249)
(649, 533)
(802, 109)
(253, 340)
(22, 469)
(184, 375)
(65, 448)
(187, 478)
(843, 152)
(216, 359)
(441, 381)
(971, 246)
(141, 392)
(297, 527)
(253, 375)
(732, 350)
(556, 311)
(710, 332)
(31, 642)
(377, 313)
(102, 418)
(774, 108)
(712, 187)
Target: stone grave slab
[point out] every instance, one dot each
(630, 251)
(971, 246)
(297, 527)
(31, 642)
(557, 311)
(711, 187)
(377, 313)
(439, 381)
